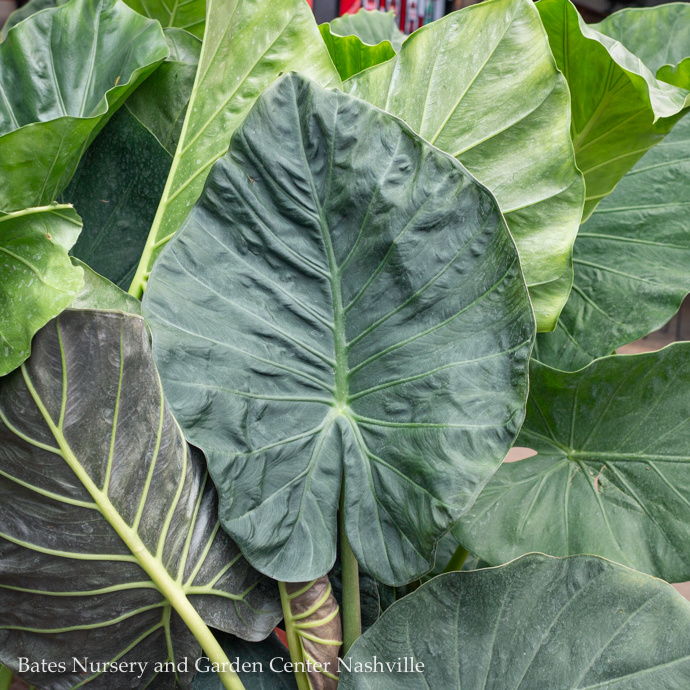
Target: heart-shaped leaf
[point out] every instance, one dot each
(371, 27)
(612, 474)
(37, 279)
(109, 537)
(93, 53)
(344, 301)
(620, 109)
(249, 44)
(351, 55)
(482, 85)
(632, 260)
(564, 624)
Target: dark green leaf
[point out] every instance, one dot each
(612, 474)
(482, 85)
(99, 293)
(344, 300)
(535, 624)
(250, 43)
(350, 55)
(37, 279)
(63, 71)
(260, 655)
(189, 14)
(108, 522)
(27, 10)
(371, 27)
(632, 260)
(620, 110)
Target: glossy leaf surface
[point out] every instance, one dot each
(344, 300)
(565, 624)
(249, 44)
(37, 279)
(372, 27)
(27, 10)
(612, 474)
(108, 521)
(620, 109)
(482, 85)
(350, 55)
(632, 260)
(92, 52)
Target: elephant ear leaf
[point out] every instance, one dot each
(612, 470)
(371, 27)
(189, 15)
(314, 631)
(343, 306)
(583, 622)
(459, 68)
(37, 279)
(620, 109)
(109, 540)
(94, 53)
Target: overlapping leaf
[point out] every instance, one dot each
(62, 73)
(482, 85)
(248, 45)
(569, 624)
(344, 301)
(108, 521)
(620, 109)
(37, 279)
(351, 55)
(371, 27)
(182, 14)
(612, 474)
(632, 260)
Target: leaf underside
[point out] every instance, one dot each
(612, 474)
(101, 499)
(343, 301)
(579, 623)
(487, 91)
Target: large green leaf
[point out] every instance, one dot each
(350, 55)
(482, 85)
(247, 46)
(620, 110)
(109, 537)
(535, 624)
(371, 27)
(63, 71)
(188, 14)
(120, 179)
(632, 260)
(612, 474)
(343, 301)
(37, 279)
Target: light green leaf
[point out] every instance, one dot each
(99, 293)
(189, 15)
(535, 624)
(37, 279)
(632, 260)
(371, 27)
(247, 46)
(612, 474)
(350, 55)
(620, 110)
(109, 540)
(482, 85)
(343, 301)
(93, 53)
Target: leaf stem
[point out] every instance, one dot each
(457, 560)
(352, 610)
(294, 644)
(6, 677)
